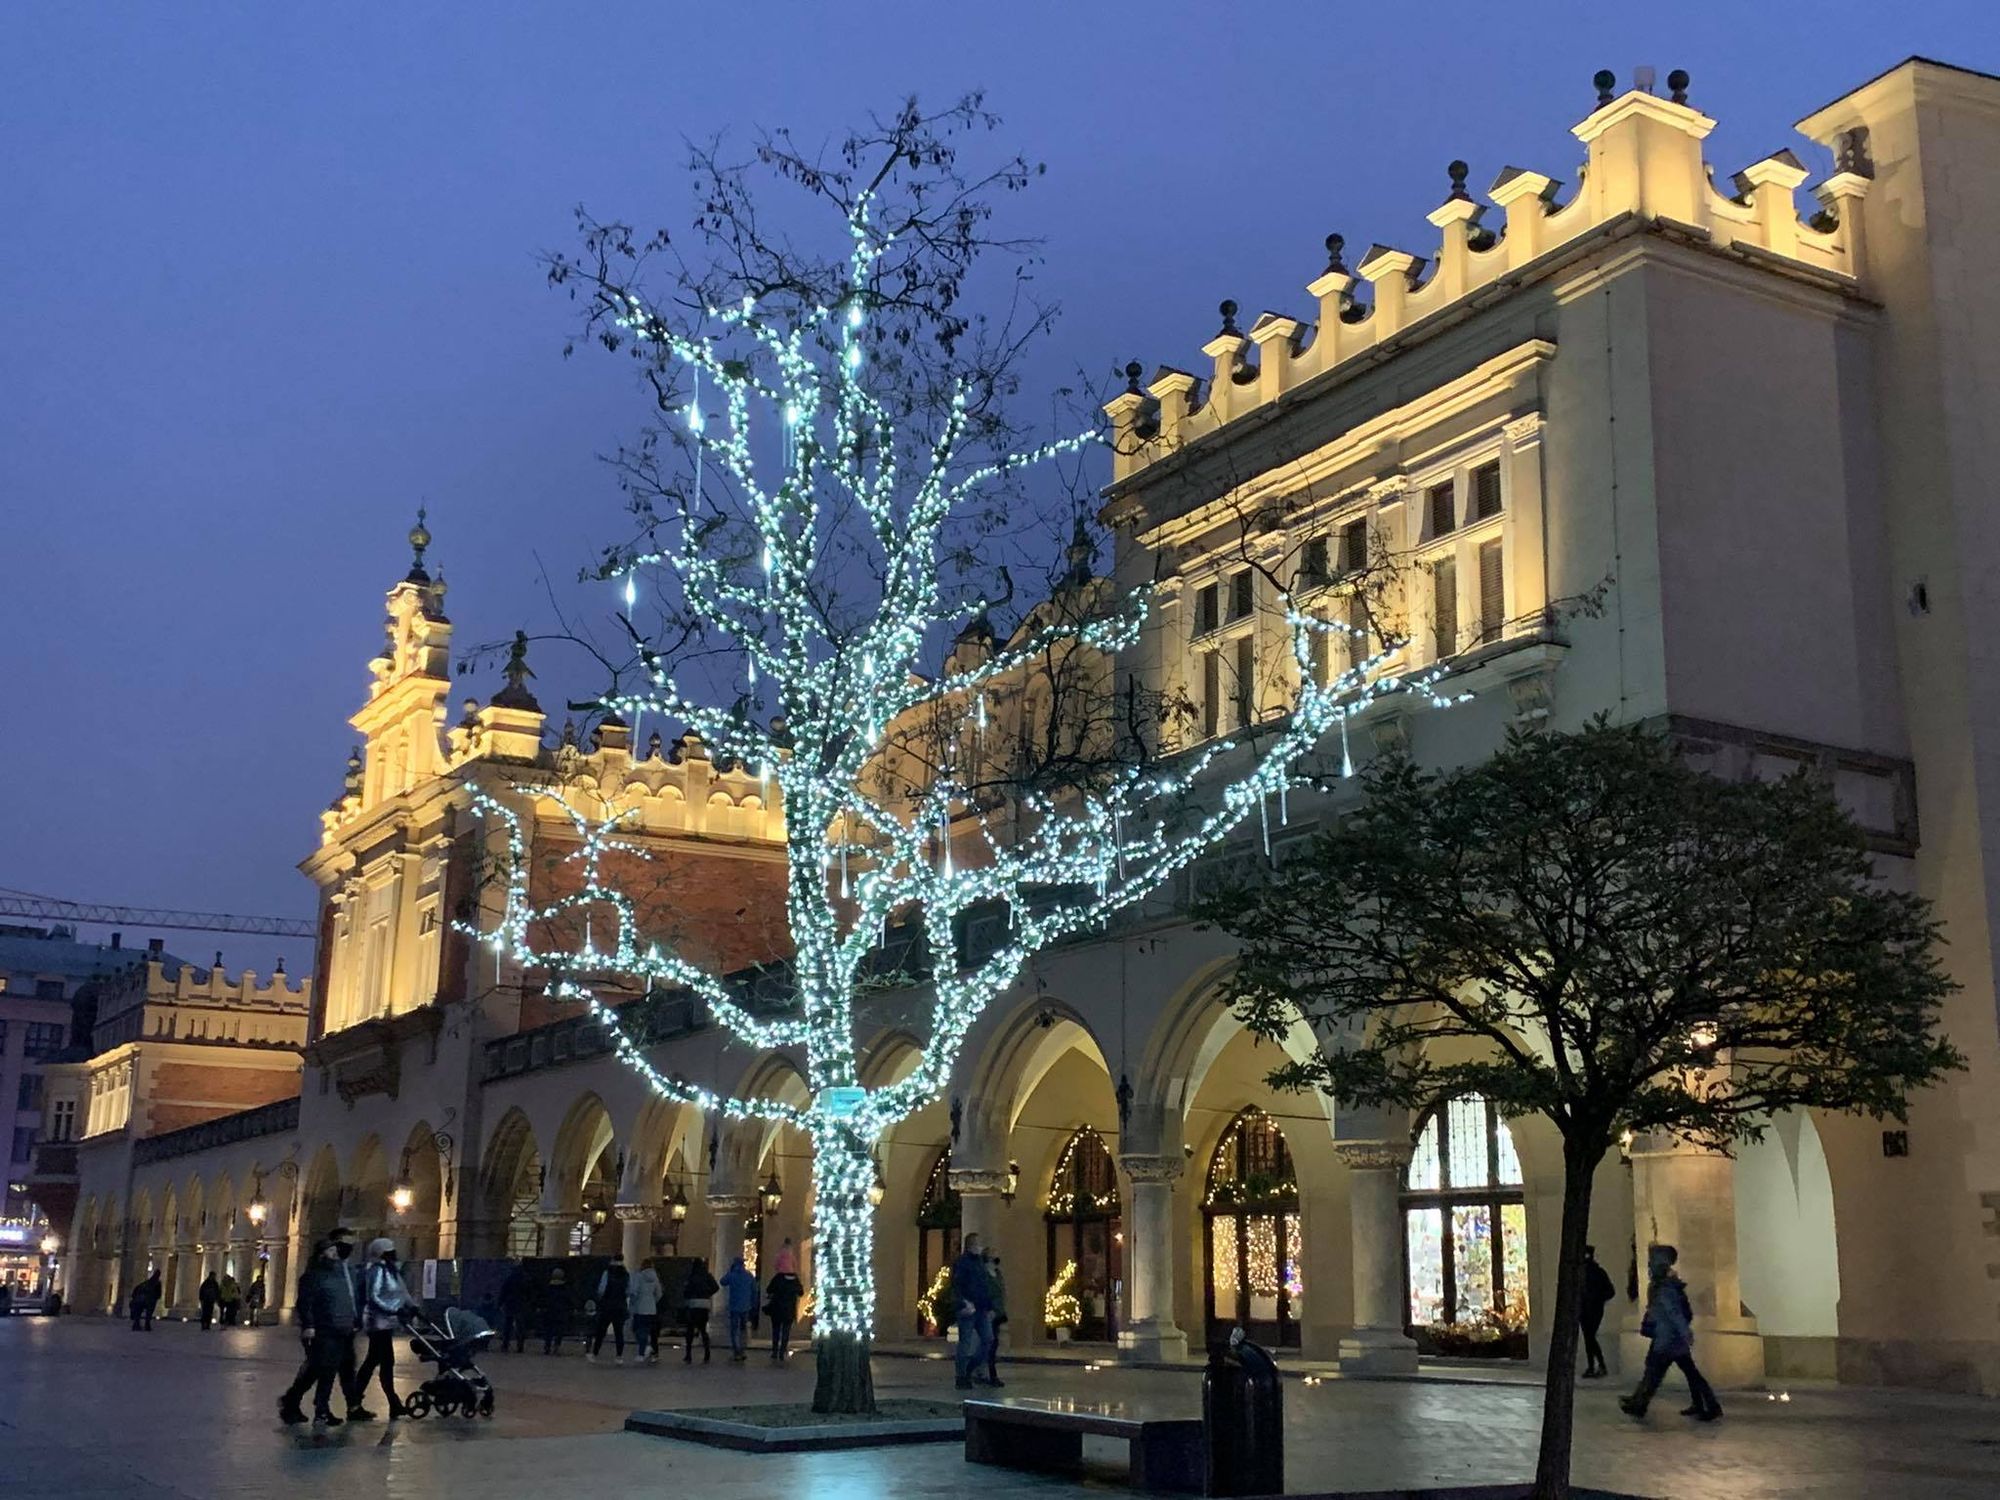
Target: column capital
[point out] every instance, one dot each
(636, 1213)
(732, 1203)
(1524, 431)
(1373, 1156)
(979, 1181)
(1149, 1167)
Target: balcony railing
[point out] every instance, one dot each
(265, 1119)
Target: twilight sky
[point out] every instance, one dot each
(268, 282)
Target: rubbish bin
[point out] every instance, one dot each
(1243, 1420)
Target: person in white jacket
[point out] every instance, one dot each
(386, 1305)
(646, 1293)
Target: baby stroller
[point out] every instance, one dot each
(460, 1387)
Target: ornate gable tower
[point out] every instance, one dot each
(404, 715)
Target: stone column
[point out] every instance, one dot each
(727, 1213)
(554, 1226)
(635, 1222)
(1686, 1197)
(1376, 1344)
(1150, 1334)
(980, 1208)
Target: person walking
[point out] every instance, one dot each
(232, 1300)
(614, 1289)
(697, 1297)
(386, 1305)
(554, 1312)
(1597, 1294)
(996, 1287)
(145, 1299)
(208, 1294)
(972, 1293)
(328, 1312)
(517, 1305)
(781, 1301)
(742, 1289)
(1669, 1324)
(253, 1300)
(645, 1302)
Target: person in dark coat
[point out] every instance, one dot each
(386, 1305)
(996, 1286)
(1597, 1294)
(144, 1301)
(253, 1300)
(517, 1304)
(329, 1310)
(972, 1295)
(697, 1297)
(208, 1295)
(614, 1287)
(1669, 1324)
(554, 1311)
(781, 1301)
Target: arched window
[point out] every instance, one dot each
(939, 1216)
(1085, 1237)
(1465, 1233)
(1255, 1245)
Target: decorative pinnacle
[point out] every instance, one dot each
(1132, 373)
(516, 693)
(420, 538)
(1606, 81)
(1228, 311)
(1457, 172)
(1335, 243)
(1677, 85)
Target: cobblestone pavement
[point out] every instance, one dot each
(91, 1411)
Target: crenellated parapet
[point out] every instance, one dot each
(1643, 163)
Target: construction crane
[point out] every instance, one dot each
(26, 904)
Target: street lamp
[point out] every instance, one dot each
(1013, 1183)
(257, 1211)
(677, 1204)
(50, 1244)
(772, 1194)
(401, 1197)
(878, 1189)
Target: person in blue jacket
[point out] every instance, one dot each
(741, 1288)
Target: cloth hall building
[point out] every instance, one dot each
(1686, 449)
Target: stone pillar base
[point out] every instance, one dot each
(1377, 1351)
(1152, 1343)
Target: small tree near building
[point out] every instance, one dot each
(1604, 935)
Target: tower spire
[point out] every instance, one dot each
(420, 538)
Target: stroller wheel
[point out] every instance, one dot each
(486, 1405)
(445, 1406)
(417, 1405)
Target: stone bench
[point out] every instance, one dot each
(1027, 1432)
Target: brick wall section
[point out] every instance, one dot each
(189, 1093)
(720, 910)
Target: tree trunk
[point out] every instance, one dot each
(1559, 1394)
(843, 1269)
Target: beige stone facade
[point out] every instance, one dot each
(1653, 446)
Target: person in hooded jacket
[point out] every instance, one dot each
(231, 1294)
(386, 1305)
(328, 1312)
(1669, 1324)
(742, 1289)
(614, 1290)
(645, 1302)
(697, 1297)
(144, 1300)
(781, 1301)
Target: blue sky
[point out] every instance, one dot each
(268, 282)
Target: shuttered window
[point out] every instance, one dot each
(1207, 609)
(1485, 491)
(1313, 569)
(1354, 546)
(1239, 594)
(1444, 607)
(1443, 516)
(1492, 592)
(1211, 693)
(1359, 645)
(1246, 665)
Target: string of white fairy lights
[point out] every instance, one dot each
(855, 861)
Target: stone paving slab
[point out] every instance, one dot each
(90, 1411)
(748, 1436)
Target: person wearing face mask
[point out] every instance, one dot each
(328, 1310)
(385, 1307)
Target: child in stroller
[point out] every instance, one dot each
(459, 1386)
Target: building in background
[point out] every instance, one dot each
(1761, 441)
